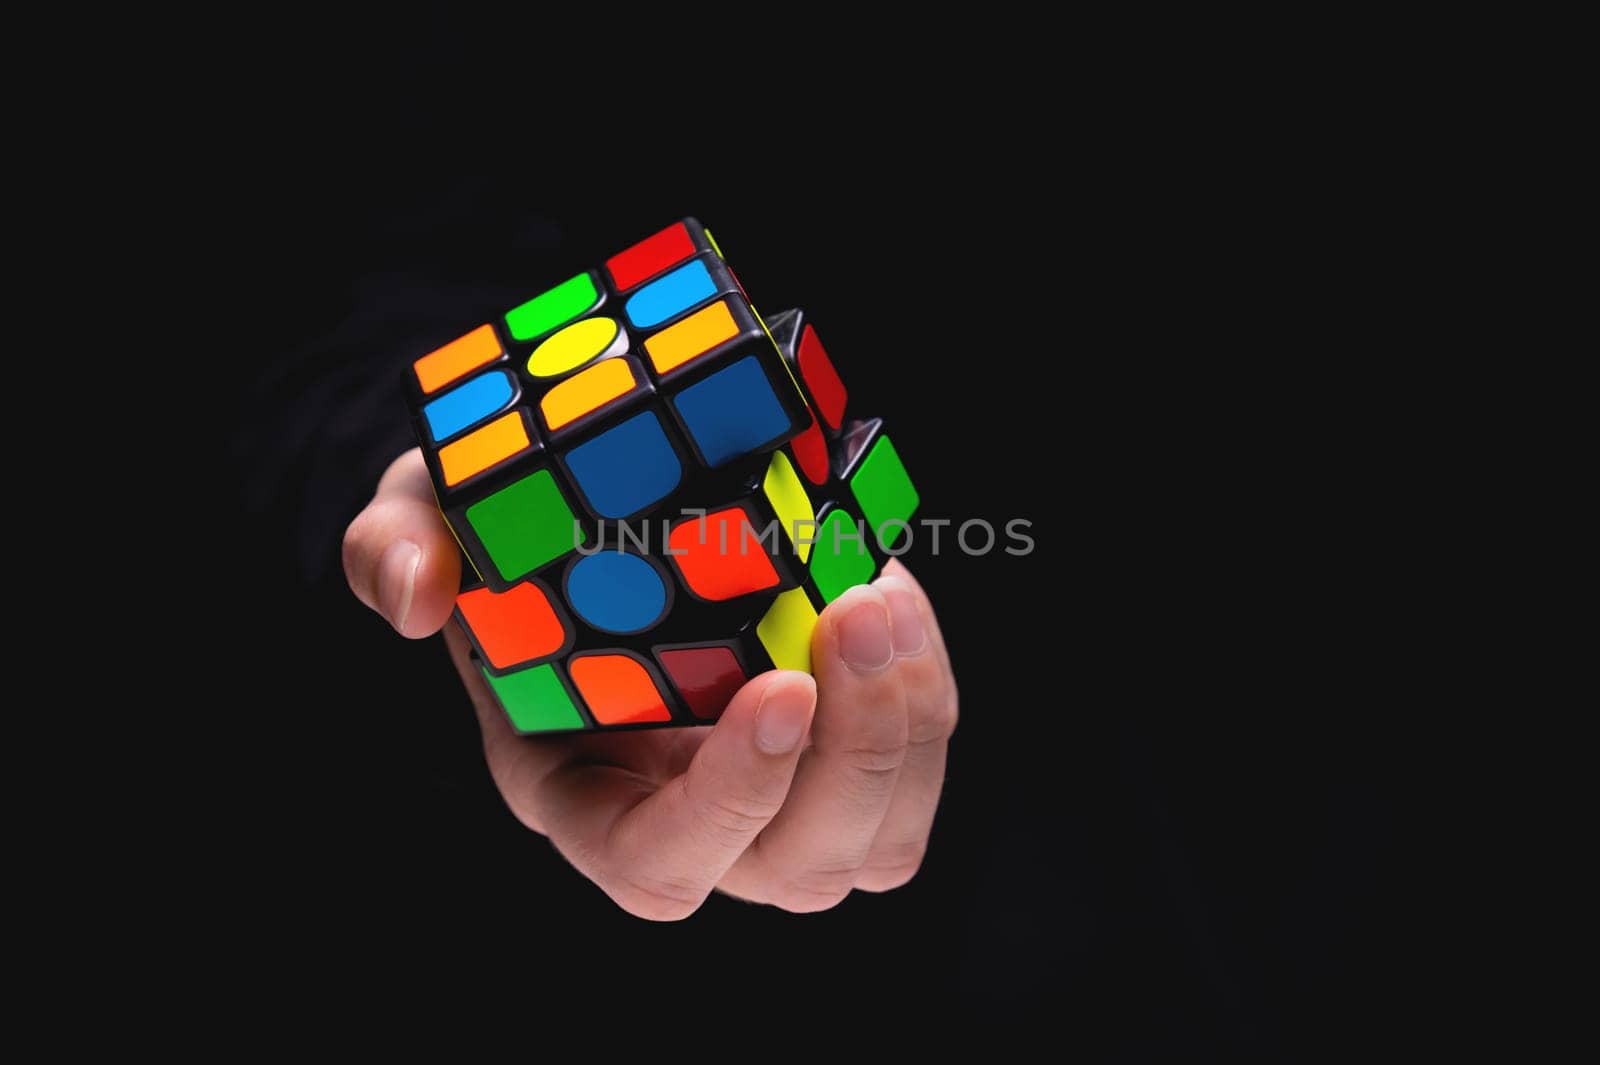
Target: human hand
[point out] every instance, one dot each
(802, 791)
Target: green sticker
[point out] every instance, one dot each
(524, 525)
(884, 490)
(534, 700)
(546, 311)
(839, 558)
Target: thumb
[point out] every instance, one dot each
(399, 555)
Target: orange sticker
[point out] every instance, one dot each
(618, 689)
(457, 359)
(586, 391)
(692, 337)
(720, 556)
(513, 627)
(482, 448)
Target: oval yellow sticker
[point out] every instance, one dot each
(575, 345)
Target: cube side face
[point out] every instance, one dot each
(812, 368)
(640, 469)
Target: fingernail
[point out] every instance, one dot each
(864, 637)
(397, 579)
(783, 717)
(905, 620)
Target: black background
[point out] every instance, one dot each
(1167, 817)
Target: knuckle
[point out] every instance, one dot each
(653, 897)
(522, 805)
(797, 898)
(887, 878)
(520, 808)
(666, 901)
(820, 884)
(935, 720)
(735, 819)
(875, 759)
(869, 739)
(892, 866)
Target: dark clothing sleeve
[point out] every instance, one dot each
(325, 413)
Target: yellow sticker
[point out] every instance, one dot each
(786, 629)
(788, 498)
(575, 345)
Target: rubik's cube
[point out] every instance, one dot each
(657, 490)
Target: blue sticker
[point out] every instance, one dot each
(462, 408)
(670, 294)
(732, 412)
(626, 468)
(616, 592)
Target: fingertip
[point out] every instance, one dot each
(400, 557)
(436, 581)
(748, 698)
(397, 580)
(905, 614)
(851, 601)
(783, 718)
(857, 623)
(895, 566)
(791, 681)
(930, 620)
(774, 710)
(899, 571)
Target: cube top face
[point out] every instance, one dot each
(639, 471)
(599, 399)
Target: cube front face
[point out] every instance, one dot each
(658, 494)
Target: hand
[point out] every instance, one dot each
(802, 790)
